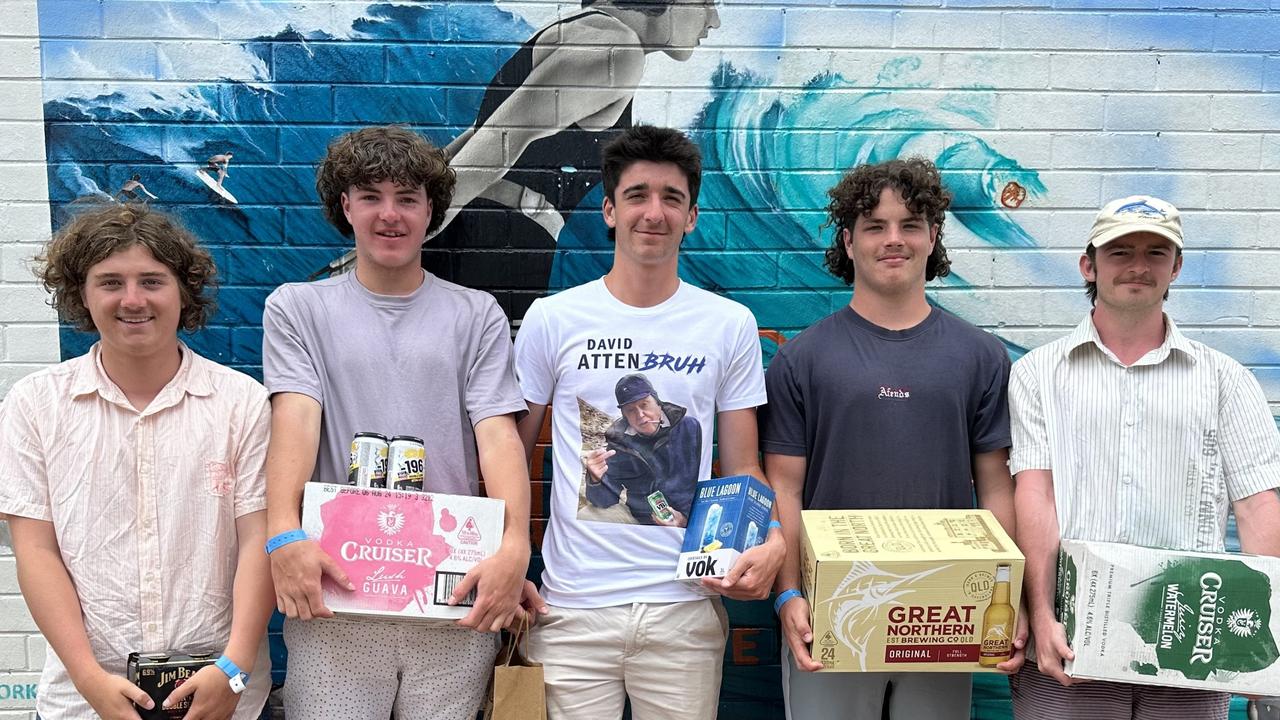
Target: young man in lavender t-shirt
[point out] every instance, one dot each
(390, 346)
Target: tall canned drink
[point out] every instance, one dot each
(406, 463)
(368, 466)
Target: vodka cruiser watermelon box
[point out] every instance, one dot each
(404, 551)
(729, 516)
(1161, 617)
(909, 590)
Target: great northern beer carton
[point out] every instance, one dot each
(910, 590)
(1162, 617)
(404, 551)
(729, 516)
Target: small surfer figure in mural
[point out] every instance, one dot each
(131, 188)
(533, 152)
(217, 164)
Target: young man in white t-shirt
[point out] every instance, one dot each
(632, 363)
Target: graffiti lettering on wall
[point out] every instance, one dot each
(18, 691)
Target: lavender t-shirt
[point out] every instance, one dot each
(431, 364)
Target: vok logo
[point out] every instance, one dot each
(1203, 615)
(700, 566)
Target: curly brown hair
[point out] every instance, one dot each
(94, 235)
(387, 152)
(858, 193)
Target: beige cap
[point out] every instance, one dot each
(1134, 214)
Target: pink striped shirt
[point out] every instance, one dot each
(144, 506)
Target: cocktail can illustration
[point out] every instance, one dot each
(909, 590)
(1179, 619)
(725, 511)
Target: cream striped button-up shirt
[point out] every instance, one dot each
(144, 506)
(1152, 454)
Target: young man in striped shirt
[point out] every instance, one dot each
(1126, 431)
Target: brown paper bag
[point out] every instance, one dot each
(516, 692)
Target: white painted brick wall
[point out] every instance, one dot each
(1099, 98)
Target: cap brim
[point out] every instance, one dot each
(1133, 229)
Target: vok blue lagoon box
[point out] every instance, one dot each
(729, 516)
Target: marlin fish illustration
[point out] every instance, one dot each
(858, 598)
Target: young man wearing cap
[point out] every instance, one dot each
(1126, 431)
(890, 402)
(614, 623)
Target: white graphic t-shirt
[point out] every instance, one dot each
(634, 395)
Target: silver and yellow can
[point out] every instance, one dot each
(368, 466)
(406, 463)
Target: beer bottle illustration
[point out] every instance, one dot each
(997, 623)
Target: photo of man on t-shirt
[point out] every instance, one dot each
(651, 457)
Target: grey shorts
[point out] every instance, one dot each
(354, 670)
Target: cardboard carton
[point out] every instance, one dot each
(404, 551)
(1163, 617)
(908, 590)
(729, 516)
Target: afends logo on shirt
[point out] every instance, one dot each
(470, 533)
(892, 393)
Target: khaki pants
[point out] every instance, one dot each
(666, 657)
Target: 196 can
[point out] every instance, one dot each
(406, 463)
(368, 466)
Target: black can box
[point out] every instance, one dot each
(160, 673)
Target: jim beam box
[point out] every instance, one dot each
(909, 590)
(729, 516)
(160, 673)
(1162, 617)
(405, 551)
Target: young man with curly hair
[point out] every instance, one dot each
(390, 348)
(889, 402)
(132, 478)
(1127, 431)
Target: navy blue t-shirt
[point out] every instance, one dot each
(888, 418)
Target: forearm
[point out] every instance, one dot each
(253, 597)
(51, 597)
(1037, 538)
(506, 477)
(291, 458)
(787, 474)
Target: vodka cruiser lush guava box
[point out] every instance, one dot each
(404, 551)
(729, 516)
(1162, 617)
(910, 590)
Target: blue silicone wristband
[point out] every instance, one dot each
(783, 598)
(774, 524)
(284, 538)
(229, 668)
